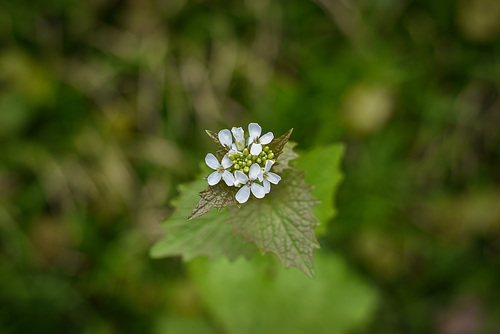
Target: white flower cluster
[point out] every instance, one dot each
(247, 164)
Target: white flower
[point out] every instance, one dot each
(256, 140)
(249, 184)
(220, 171)
(239, 137)
(225, 138)
(236, 182)
(233, 150)
(267, 177)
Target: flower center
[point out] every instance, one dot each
(220, 169)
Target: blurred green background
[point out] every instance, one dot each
(103, 107)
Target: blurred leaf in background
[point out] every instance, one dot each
(209, 235)
(322, 168)
(259, 296)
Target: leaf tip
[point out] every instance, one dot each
(153, 252)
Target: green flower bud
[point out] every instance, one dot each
(262, 153)
(238, 154)
(270, 155)
(232, 157)
(249, 163)
(266, 148)
(254, 157)
(246, 169)
(245, 152)
(236, 166)
(264, 159)
(259, 160)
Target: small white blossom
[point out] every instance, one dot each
(249, 184)
(220, 170)
(233, 150)
(256, 140)
(236, 182)
(247, 163)
(267, 177)
(225, 138)
(239, 137)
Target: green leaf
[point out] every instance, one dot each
(282, 222)
(218, 197)
(284, 158)
(173, 322)
(257, 296)
(277, 144)
(209, 235)
(322, 169)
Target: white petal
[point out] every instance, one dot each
(254, 171)
(243, 194)
(233, 150)
(240, 145)
(267, 186)
(226, 162)
(241, 177)
(254, 130)
(258, 190)
(273, 178)
(214, 178)
(239, 137)
(212, 161)
(236, 182)
(269, 164)
(266, 139)
(225, 138)
(261, 176)
(255, 149)
(238, 133)
(228, 178)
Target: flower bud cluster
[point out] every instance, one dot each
(246, 164)
(243, 161)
